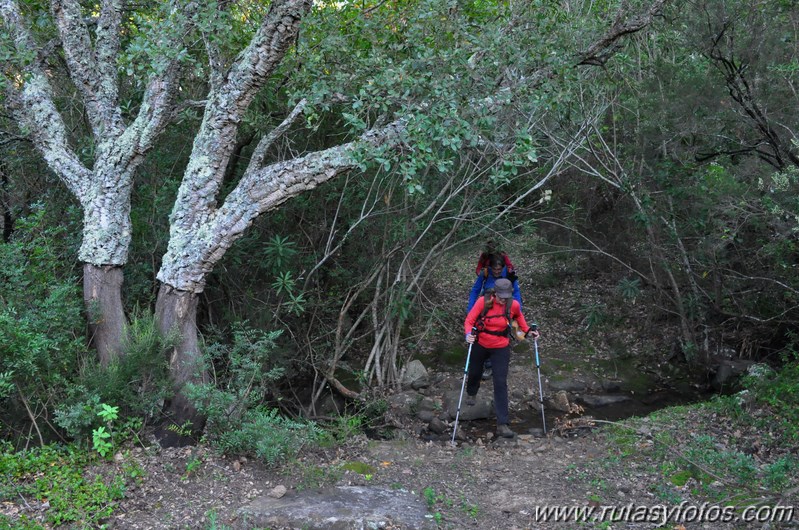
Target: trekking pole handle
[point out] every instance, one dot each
(533, 327)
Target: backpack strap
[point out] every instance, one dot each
(488, 303)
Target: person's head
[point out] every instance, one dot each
(491, 247)
(496, 263)
(503, 289)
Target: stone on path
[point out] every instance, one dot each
(481, 410)
(337, 508)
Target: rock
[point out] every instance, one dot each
(425, 415)
(404, 402)
(727, 371)
(602, 400)
(560, 401)
(535, 431)
(332, 405)
(414, 375)
(611, 386)
(342, 507)
(277, 492)
(437, 426)
(422, 382)
(567, 385)
(481, 410)
(427, 404)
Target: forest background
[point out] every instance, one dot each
(253, 197)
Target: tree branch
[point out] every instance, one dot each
(257, 159)
(99, 93)
(600, 51)
(225, 108)
(31, 100)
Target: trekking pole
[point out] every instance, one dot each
(540, 388)
(463, 385)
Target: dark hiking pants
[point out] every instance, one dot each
(500, 359)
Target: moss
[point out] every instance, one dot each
(359, 467)
(680, 478)
(450, 354)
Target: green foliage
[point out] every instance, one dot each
(58, 475)
(41, 322)
(265, 434)
(137, 383)
(629, 289)
(244, 375)
(779, 392)
(312, 476)
(594, 315)
(239, 419)
(361, 468)
(732, 447)
(102, 439)
(279, 254)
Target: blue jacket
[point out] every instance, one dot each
(482, 283)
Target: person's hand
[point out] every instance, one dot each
(470, 338)
(532, 333)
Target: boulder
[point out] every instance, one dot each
(339, 508)
(437, 426)
(481, 410)
(568, 385)
(560, 401)
(727, 372)
(404, 403)
(415, 375)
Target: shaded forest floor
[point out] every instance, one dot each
(678, 457)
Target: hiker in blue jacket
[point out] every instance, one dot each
(485, 280)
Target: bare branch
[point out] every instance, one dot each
(600, 51)
(257, 159)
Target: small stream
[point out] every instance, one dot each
(608, 390)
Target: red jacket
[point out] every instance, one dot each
(484, 261)
(494, 320)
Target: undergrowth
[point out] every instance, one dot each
(737, 449)
(55, 479)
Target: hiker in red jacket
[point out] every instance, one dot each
(493, 342)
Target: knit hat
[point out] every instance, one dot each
(503, 288)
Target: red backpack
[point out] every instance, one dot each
(485, 259)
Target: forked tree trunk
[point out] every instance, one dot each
(176, 313)
(102, 296)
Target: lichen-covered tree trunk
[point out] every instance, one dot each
(104, 252)
(90, 47)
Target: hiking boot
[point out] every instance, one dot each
(487, 373)
(470, 400)
(504, 431)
